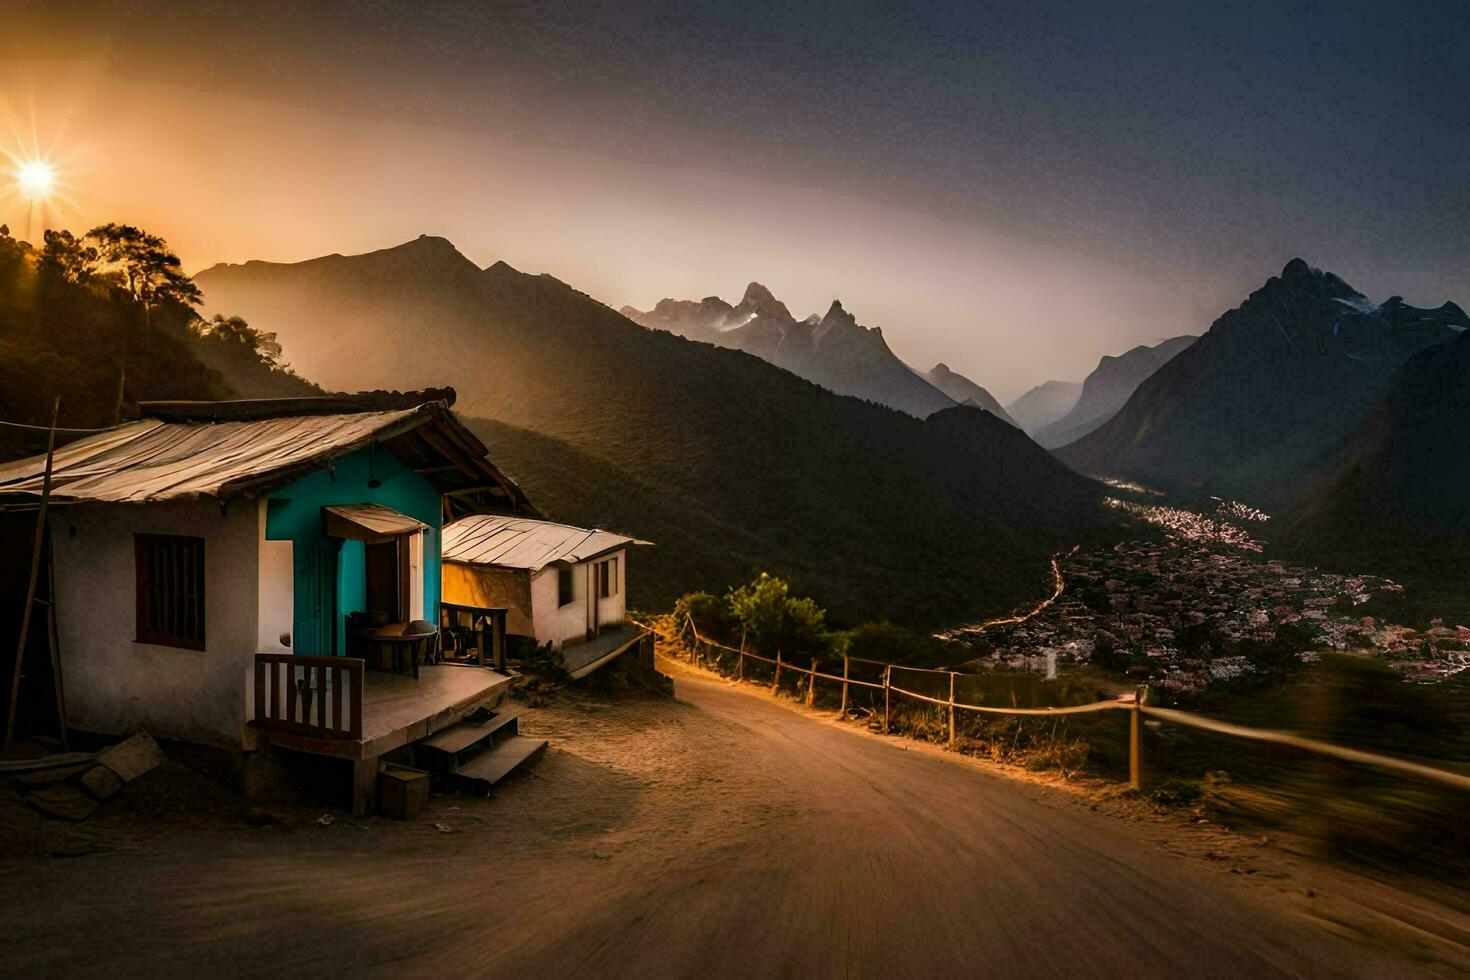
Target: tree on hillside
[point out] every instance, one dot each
(236, 333)
(68, 256)
(74, 324)
(13, 252)
(144, 264)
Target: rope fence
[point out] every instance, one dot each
(1134, 703)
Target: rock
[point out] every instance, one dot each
(45, 777)
(132, 757)
(63, 802)
(102, 782)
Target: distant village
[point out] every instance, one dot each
(1203, 607)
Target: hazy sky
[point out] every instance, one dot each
(1013, 188)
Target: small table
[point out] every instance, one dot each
(399, 643)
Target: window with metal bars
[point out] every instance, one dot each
(170, 590)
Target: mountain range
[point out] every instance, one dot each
(1107, 389)
(731, 464)
(1396, 497)
(1044, 404)
(966, 392)
(832, 350)
(1257, 407)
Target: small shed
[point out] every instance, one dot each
(561, 586)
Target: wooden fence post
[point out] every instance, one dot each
(951, 709)
(1135, 742)
(887, 701)
(811, 684)
(776, 681)
(843, 709)
(740, 661)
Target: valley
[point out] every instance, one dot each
(1203, 605)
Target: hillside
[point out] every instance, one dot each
(832, 350)
(1254, 408)
(101, 351)
(966, 392)
(729, 463)
(1044, 404)
(1397, 495)
(1107, 389)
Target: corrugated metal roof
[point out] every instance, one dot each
(517, 542)
(154, 460)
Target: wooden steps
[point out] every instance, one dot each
(489, 768)
(476, 753)
(458, 742)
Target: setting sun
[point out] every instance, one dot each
(36, 178)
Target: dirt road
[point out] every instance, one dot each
(721, 833)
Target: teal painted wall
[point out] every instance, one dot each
(330, 578)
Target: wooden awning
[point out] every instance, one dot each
(367, 522)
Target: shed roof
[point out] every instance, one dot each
(204, 456)
(520, 543)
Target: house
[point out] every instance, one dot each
(216, 563)
(561, 587)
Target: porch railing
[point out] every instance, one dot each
(316, 696)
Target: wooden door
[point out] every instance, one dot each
(383, 588)
(315, 602)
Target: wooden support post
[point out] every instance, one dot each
(55, 645)
(1135, 742)
(364, 786)
(776, 681)
(887, 701)
(25, 616)
(951, 709)
(811, 685)
(497, 635)
(843, 709)
(740, 659)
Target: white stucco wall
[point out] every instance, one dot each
(277, 590)
(118, 686)
(568, 624)
(558, 624)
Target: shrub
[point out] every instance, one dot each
(763, 612)
(774, 620)
(710, 614)
(895, 644)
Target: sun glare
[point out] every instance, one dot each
(36, 178)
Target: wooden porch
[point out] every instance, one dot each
(332, 706)
(583, 658)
